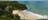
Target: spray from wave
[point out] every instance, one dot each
(38, 16)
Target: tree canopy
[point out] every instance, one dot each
(15, 4)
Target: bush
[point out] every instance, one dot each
(17, 17)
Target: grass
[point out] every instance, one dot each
(5, 18)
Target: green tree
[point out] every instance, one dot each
(17, 17)
(14, 4)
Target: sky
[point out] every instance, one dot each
(31, 0)
(23, 0)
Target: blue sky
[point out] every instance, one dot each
(31, 0)
(23, 0)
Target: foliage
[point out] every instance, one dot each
(15, 6)
(17, 17)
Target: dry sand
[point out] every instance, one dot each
(23, 15)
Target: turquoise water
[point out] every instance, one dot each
(39, 7)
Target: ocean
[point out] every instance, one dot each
(38, 7)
